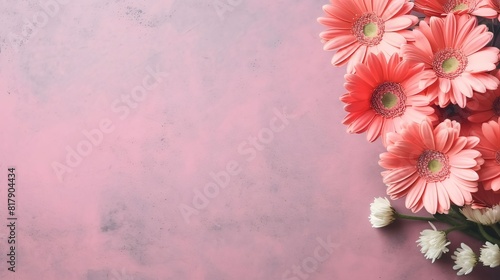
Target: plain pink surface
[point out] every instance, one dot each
(227, 78)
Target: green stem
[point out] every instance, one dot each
(449, 219)
(416, 218)
(487, 235)
(455, 228)
(455, 212)
(456, 219)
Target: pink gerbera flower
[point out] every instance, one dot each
(440, 8)
(484, 198)
(357, 28)
(489, 146)
(431, 167)
(453, 50)
(495, 4)
(484, 107)
(384, 95)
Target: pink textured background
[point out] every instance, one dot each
(116, 214)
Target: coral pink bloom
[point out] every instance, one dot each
(383, 95)
(484, 107)
(357, 28)
(495, 4)
(431, 167)
(489, 146)
(484, 198)
(440, 8)
(453, 50)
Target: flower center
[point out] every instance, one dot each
(496, 106)
(449, 63)
(458, 5)
(388, 100)
(433, 166)
(368, 29)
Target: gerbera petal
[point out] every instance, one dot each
(495, 184)
(400, 189)
(394, 39)
(483, 60)
(430, 198)
(357, 57)
(462, 161)
(392, 9)
(476, 40)
(442, 143)
(374, 129)
(458, 145)
(390, 162)
(404, 149)
(454, 192)
(489, 133)
(466, 174)
(475, 84)
(357, 106)
(414, 195)
(443, 198)
(427, 135)
(481, 117)
(488, 173)
(360, 124)
(460, 90)
(399, 23)
(444, 85)
(341, 56)
(489, 81)
(340, 41)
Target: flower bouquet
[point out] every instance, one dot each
(422, 76)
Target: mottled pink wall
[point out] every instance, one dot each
(254, 73)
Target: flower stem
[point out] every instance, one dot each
(487, 235)
(416, 218)
(455, 228)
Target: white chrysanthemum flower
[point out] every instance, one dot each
(465, 260)
(433, 243)
(382, 214)
(485, 216)
(490, 255)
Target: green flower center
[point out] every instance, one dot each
(434, 166)
(450, 65)
(370, 30)
(388, 100)
(461, 7)
(458, 6)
